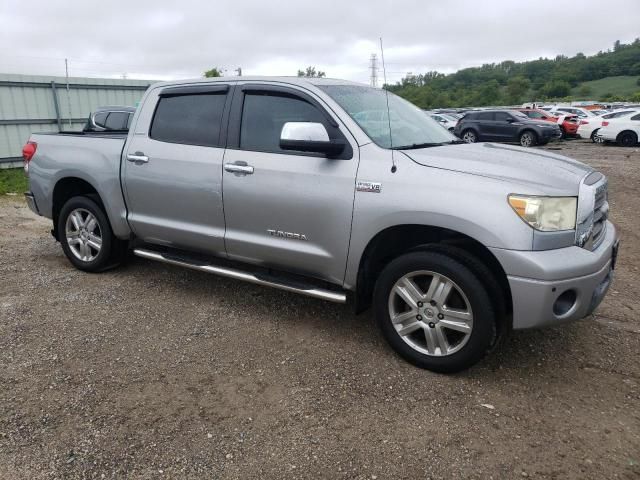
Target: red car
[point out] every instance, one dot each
(568, 123)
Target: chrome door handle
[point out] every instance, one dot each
(137, 157)
(234, 168)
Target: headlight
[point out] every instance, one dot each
(548, 214)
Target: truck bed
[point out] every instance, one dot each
(80, 133)
(90, 157)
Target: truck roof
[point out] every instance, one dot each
(291, 80)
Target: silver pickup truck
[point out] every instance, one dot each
(335, 190)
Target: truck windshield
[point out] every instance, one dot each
(410, 126)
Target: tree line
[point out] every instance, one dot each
(511, 83)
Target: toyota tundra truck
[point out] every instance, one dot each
(342, 192)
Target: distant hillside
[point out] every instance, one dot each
(609, 75)
(624, 86)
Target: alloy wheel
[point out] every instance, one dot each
(526, 140)
(83, 234)
(430, 313)
(469, 137)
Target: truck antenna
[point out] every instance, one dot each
(394, 168)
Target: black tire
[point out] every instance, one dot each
(627, 139)
(483, 333)
(469, 135)
(525, 136)
(112, 250)
(594, 136)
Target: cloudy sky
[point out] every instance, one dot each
(157, 39)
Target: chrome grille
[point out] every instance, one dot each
(593, 211)
(600, 215)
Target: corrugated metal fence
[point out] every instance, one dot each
(31, 104)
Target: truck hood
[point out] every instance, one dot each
(546, 171)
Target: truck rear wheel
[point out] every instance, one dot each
(86, 236)
(435, 312)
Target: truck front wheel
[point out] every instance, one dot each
(86, 236)
(435, 312)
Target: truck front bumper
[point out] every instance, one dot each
(556, 286)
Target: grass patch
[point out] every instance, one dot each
(624, 85)
(12, 180)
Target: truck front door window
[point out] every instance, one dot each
(264, 115)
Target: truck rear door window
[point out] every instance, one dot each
(189, 119)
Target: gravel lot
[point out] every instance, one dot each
(151, 371)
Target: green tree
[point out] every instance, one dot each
(491, 84)
(556, 89)
(311, 73)
(517, 87)
(584, 91)
(214, 72)
(488, 93)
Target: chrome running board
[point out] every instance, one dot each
(296, 287)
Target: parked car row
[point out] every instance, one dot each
(506, 126)
(568, 122)
(532, 125)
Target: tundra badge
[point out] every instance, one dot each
(280, 233)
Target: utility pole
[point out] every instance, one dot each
(66, 70)
(239, 71)
(374, 70)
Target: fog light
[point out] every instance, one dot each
(564, 303)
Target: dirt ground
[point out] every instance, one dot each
(151, 371)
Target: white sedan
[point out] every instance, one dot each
(589, 127)
(624, 130)
(445, 120)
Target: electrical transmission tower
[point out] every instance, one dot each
(374, 70)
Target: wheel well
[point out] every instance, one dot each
(528, 130)
(398, 240)
(627, 131)
(67, 188)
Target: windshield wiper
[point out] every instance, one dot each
(415, 146)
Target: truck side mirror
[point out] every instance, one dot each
(309, 137)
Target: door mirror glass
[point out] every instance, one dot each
(304, 131)
(309, 137)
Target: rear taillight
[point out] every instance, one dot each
(584, 122)
(28, 151)
(605, 123)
